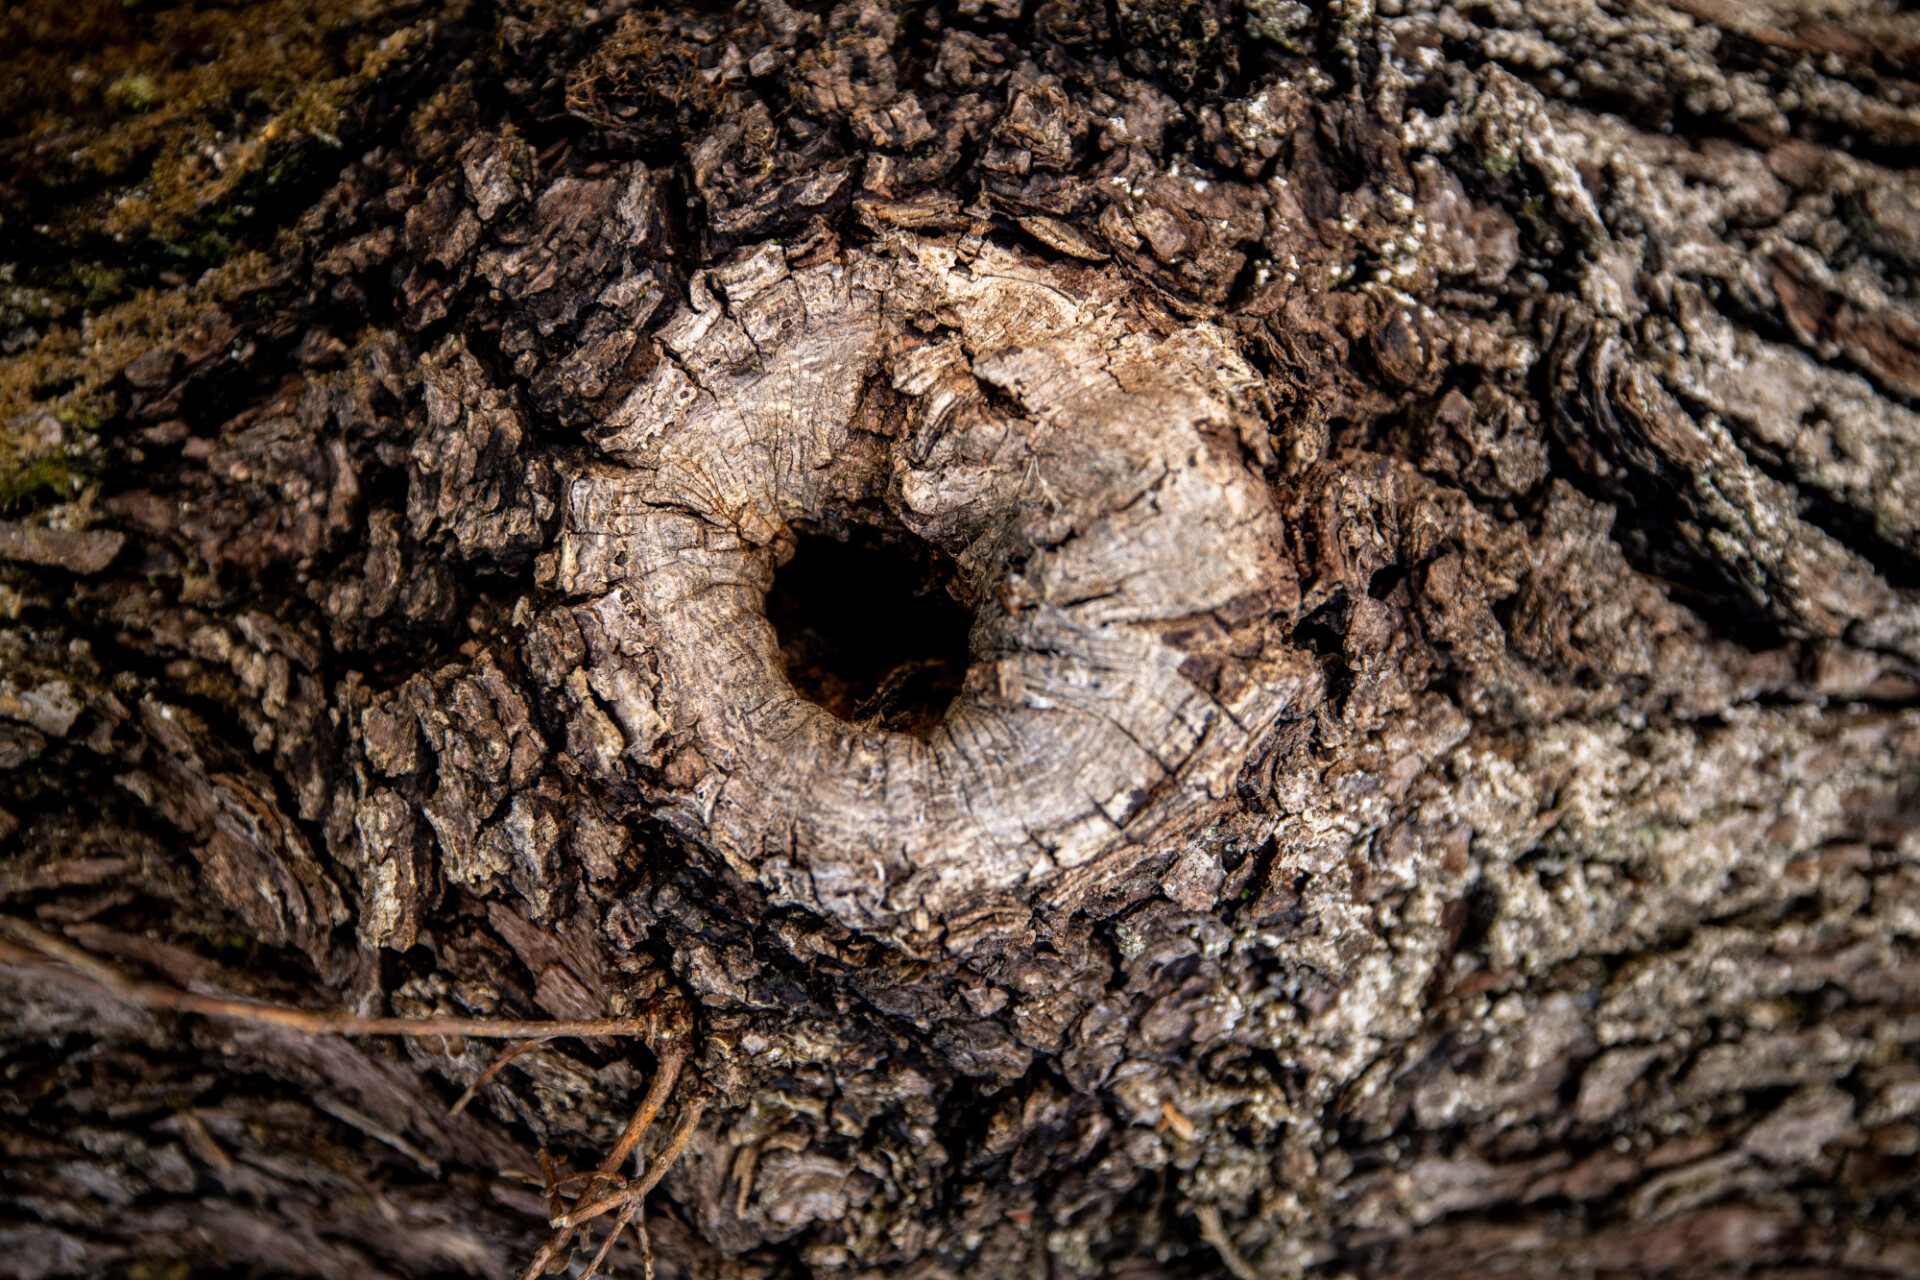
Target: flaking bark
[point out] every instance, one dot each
(1432, 488)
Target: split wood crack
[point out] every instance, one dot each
(594, 1194)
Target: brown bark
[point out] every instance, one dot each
(1160, 639)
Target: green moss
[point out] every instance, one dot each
(49, 476)
(75, 418)
(132, 94)
(1283, 22)
(289, 165)
(98, 283)
(209, 248)
(22, 305)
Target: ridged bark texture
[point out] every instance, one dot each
(1201, 639)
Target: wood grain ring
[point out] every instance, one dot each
(1082, 464)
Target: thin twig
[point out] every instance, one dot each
(619, 1225)
(548, 1251)
(45, 953)
(499, 1064)
(682, 1134)
(671, 1060)
(374, 1129)
(552, 1183)
(153, 995)
(554, 1243)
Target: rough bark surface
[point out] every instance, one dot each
(1226, 639)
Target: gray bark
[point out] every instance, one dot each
(1249, 640)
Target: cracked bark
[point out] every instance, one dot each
(1207, 639)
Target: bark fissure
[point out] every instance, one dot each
(1418, 778)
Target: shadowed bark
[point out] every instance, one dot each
(1163, 640)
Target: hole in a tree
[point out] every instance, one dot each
(869, 631)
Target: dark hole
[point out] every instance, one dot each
(1325, 630)
(869, 631)
(1384, 580)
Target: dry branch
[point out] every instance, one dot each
(75, 965)
(60, 958)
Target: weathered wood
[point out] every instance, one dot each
(1102, 522)
(1431, 489)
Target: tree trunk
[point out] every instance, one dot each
(1163, 639)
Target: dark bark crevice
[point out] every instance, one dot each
(1349, 575)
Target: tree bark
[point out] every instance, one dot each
(1161, 639)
